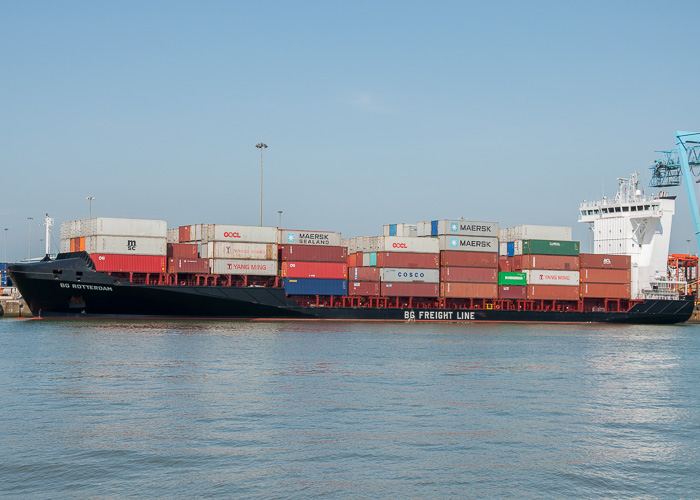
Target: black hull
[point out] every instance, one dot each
(69, 288)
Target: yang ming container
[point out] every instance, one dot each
(226, 250)
(548, 277)
(244, 267)
(301, 286)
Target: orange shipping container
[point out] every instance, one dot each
(549, 262)
(605, 261)
(469, 290)
(621, 276)
(605, 290)
(469, 274)
(468, 259)
(552, 292)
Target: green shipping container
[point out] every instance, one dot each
(550, 247)
(512, 279)
(373, 259)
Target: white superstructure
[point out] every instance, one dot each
(637, 225)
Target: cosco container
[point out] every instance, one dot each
(469, 274)
(115, 263)
(550, 247)
(182, 251)
(409, 275)
(467, 243)
(104, 226)
(518, 279)
(512, 292)
(553, 262)
(301, 286)
(548, 277)
(605, 261)
(244, 267)
(364, 273)
(240, 234)
(364, 288)
(321, 238)
(410, 289)
(468, 259)
(618, 276)
(319, 270)
(463, 228)
(225, 250)
(469, 290)
(605, 290)
(408, 259)
(188, 266)
(125, 245)
(313, 253)
(552, 292)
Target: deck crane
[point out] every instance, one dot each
(677, 164)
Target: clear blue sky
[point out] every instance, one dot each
(374, 112)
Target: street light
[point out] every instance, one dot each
(90, 198)
(6, 229)
(280, 212)
(29, 254)
(261, 146)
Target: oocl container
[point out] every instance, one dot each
(240, 234)
(244, 267)
(469, 274)
(407, 245)
(408, 259)
(468, 243)
(409, 275)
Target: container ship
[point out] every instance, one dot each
(439, 270)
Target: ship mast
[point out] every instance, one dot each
(48, 222)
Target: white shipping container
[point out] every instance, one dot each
(174, 235)
(406, 230)
(503, 249)
(532, 232)
(518, 247)
(545, 277)
(125, 245)
(324, 238)
(105, 226)
(408, 244)
(244, 267)
(467, 228)
(405, 275)
(365, 259)
(242, 234)
(423, 228)
(225, 250)
(467, 243)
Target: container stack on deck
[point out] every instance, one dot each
(313, 263)
(238, 250)
(605, 276)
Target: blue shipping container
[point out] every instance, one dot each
(392, 230)
(310, 286)
(433, 228)
(3, 266)
(510, 248)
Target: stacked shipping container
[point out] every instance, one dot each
(605, 276)
(313, 263)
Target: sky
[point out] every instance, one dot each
(374, 112)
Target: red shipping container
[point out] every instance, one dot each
(408, 260)
(129, 263)
(605, 261)
(605, 290)
(182, 251)
(469, 274)
(364, 273)
(512, 292)
(620, 276)
(410, 289)
(469, 290)
(505, 264)
(363, 288)
(552, 292)
(352, 260)
(188, 266)
(184, 234)
(318, 270)
(548, 262)
(468, 259)
(313, 253)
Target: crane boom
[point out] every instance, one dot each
(688, 147)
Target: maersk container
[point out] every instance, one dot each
(533, 232)
(605, 261)
(550, 247)
(452, 290)
(552, 292)
(182, 251)
(307, 286)
(244, 267)
(551, 262)
(548, 277)
(407, 244)
(605, 290)
(364, 274)
(613, 276)
(126, 245)
(412, 260)
(410, 289)
(115, 263)
(313, 253)
(517, 279)
(467, 243)
(240, 234)
(469, 274)
(468, 259)
(463, 228)
(364, 288)
(512, 292)
(225, 250)
(188, 266)
(319, 270)
(409, 275)
(321, 238)
(104, 226)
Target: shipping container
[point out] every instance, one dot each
(549, 277)
(410, 289)
(173, 235)
(505, 264)
(552, 262)
(463, 228)
(240, 234)
(114, 263)
(302, 253)
(321, 238)
(189, 266)
(605, 290)
(104, 226)
(405, 230)
(352, 260)
(605, 261)
(184, 234)
(182, 251)
(364, 273)
(373, 258)
(468, 259)
(467, 243)
(512, 279)
(364, 288)
(552, 292)
(550, 247)
(409, 275)
(512, 292)
(469, 274)
(502, 249)
(118, 245)
(618, 276)
(226, 250)
(412, 260)
(365, 259)
(301, 286)
(407, 245)
(318, 270)
(469, 290)
(510, 248)
(532, 232)
(244, 267)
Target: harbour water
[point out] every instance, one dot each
(277, 410)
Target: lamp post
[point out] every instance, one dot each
(90, 198)
(6, 229)
(29, 253)
(280, 212)
(261, 146)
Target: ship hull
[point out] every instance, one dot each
(70, 289)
